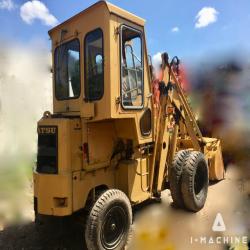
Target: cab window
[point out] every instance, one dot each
(94, 65)
(67, 70)
(131, 68)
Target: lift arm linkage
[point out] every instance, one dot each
(163, 144)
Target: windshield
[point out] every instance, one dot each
(67, 70)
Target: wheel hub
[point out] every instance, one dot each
(113, 227)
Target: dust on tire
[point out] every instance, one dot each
(175, 175)
(194, 182)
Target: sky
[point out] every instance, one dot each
(189, 29)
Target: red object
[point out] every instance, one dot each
(86, 151)
(183, 78)
(156, 91)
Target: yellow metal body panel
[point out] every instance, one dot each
(89, 111)
(47, 187)
(84, 182)
(76, 176)
(131, 177)
(101, 141)
(213, 153)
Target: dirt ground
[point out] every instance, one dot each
(230, 197)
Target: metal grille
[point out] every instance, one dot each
(47, 155)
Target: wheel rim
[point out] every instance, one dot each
(113, 227)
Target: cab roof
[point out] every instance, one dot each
(113, 9)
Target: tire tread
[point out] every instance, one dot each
(175, 176)
(98, 207)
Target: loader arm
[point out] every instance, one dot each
(187, 114)
(166, 142)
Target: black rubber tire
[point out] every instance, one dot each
(111, 212)
(175, 175)
(195, 181)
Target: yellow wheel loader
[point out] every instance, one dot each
(117, 134)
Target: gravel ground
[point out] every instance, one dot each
(230, 197)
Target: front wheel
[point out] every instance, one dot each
(175, 174)
(195, 180)
(109, 221)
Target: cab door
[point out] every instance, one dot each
(135, 81)
(132, 77)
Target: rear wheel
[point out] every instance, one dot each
(175, 174)
(195, 180)
(109, 221)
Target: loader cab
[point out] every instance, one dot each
(98, 61)
(101, 69)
